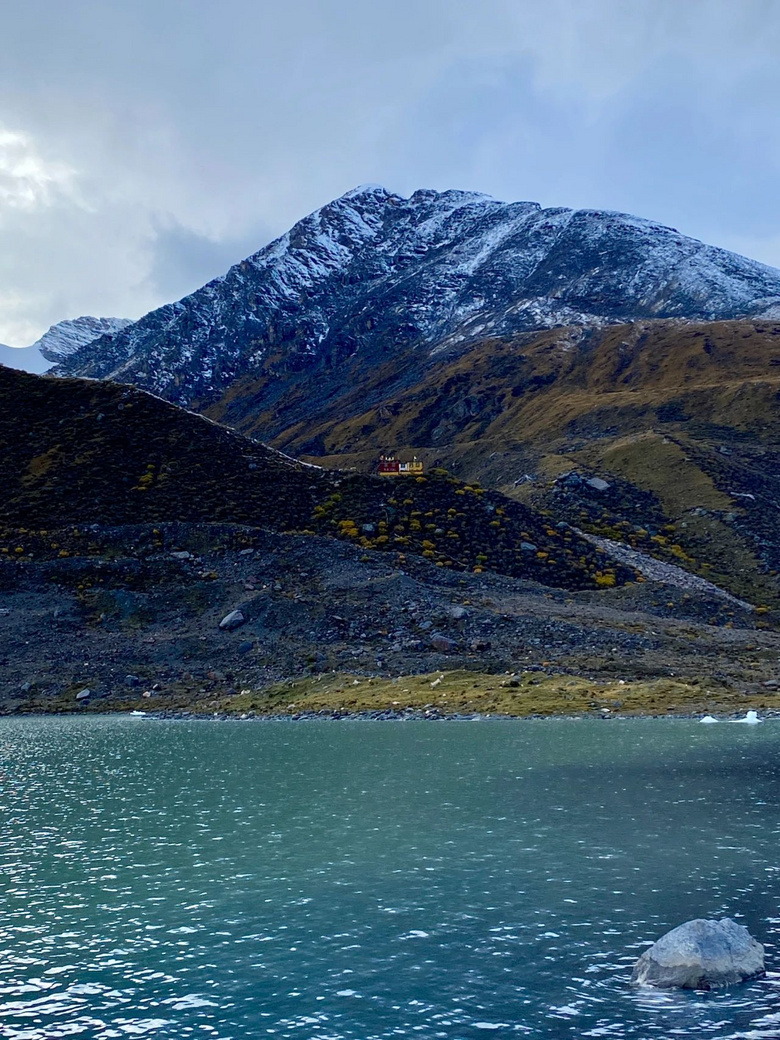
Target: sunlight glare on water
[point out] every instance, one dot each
(373, 880)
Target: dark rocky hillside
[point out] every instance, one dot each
(132, 615)
(83, 452)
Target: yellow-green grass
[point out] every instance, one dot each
(522, 694)
(464, 692)
(660, 465)
(544, 388)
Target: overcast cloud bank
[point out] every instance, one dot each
(146, 146)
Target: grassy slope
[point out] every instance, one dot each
(78, 451)
(684, 413)
(550, 386)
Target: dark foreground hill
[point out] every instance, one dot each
(79, 451)
(83, 452)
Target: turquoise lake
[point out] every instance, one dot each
(362, 880)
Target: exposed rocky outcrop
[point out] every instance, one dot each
(701, 955)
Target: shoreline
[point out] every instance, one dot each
(390, 715)
(435, 696)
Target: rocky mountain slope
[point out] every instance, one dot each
(374, 279)
(133, 614)
(131, 530)
(511, 344)
(160, 561)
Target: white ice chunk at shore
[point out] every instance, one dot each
(708, 718)
(751, 719)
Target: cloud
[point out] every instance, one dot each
(27, 181)
(159, 142)
(182, 259)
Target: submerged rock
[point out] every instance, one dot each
(701, 955)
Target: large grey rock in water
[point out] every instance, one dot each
(701, 955)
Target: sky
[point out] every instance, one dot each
(147, 145)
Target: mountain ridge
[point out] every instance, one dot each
(375, 274)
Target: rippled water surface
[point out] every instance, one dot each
(365, 880)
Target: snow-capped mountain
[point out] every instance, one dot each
(59, 342)
(374, 274)
(66, 337)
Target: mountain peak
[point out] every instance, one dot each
(378, 275)
(364, 190)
